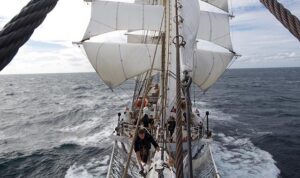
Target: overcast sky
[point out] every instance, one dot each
(256, 34)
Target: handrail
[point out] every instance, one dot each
(111, 159)
(213, 161)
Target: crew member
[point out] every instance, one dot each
(139, 101)
(156, 91)
(146, 121)
(171, 126)
(142, 146)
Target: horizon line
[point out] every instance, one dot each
(234, 68)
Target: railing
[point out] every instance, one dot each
(111, 160)
(206, 164)
(216, 172)
(126, 128)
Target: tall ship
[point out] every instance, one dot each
(156, 43)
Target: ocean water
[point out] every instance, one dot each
(58, 125)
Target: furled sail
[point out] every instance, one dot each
(117, 62)
(209, 66)
(110, 16)
(221, 4)
(214, 27)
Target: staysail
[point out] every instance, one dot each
(117, 62)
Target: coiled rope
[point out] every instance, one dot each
(290, 21)
(19, 29)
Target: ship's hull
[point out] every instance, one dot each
(203, 161)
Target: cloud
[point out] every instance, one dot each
(49, 60)
(261, 39)
(50, 48)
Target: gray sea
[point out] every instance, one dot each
(58, 125)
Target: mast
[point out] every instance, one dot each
(187, 81)
(163, 116)
(163, 74)
(179, 156)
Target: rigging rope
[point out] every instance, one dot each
(290, 21)
(179, 150)
(19, 29)
(147, 87)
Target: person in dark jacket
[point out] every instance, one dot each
(171, 126)
(142, 146)
(146, 121)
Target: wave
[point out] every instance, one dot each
(82, 87)
(238, 157)
(235, 155)
(47, 162)
(10, 94)
(93, 168)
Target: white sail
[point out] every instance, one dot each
(190, 23)
(214, 27)
(117, 62)
(206, 66)
(111, 16)
(143, 37)
(209, 66)
(145, 1)
(221, 4)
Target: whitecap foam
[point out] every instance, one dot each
(86, 125)
(238, 157)
(78, 172)
(215, 115)
(103, 136)
(94, 168)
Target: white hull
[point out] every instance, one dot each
(203, 162)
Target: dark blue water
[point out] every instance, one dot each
(59, 125)
(265, 103)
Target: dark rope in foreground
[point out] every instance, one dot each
(290, 21)
(19, 29)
